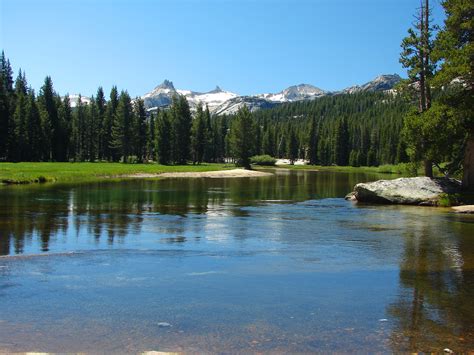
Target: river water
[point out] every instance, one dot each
(278, 264)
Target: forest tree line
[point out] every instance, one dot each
(350, 129)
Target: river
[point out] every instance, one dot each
(279, 264)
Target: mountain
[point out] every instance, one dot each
(380, 83)
(226, 102)
(162, 95)
(295, 93)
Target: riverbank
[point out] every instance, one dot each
(218, 174)
(27, 173)
(383, 169)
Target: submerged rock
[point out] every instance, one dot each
(407, 191)
(164, 325)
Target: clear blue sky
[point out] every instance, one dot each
(244, 46)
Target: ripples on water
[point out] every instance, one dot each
(279, 264)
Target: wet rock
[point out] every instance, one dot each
(464, 209)
(407, 191)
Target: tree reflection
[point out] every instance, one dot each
(434, 309)
(114, 210)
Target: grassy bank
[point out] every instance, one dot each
(386, 169)
(25, 173)
(401, 169)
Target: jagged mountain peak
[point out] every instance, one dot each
(166, 84)
(223, 102)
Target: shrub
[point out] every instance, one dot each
(448, 200)
(264, 160)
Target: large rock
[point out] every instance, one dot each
(408, 191)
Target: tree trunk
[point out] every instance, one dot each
(428, 165)
(468, 164)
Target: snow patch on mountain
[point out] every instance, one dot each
(227, 102)
(74, 100)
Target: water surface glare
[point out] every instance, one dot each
(276, 264)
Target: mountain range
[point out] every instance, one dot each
(226, 102)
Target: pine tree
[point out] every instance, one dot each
(6, 103)
(198, 139)
(209, 149)
(181, 128)
(121, 128)
(313, 142)
(292, 151)
(341, 143)
(92, 130)
(34, 128)
(65, 117)
(140, 129)
(52, 125)
(455, 49)
(241, 137)
(78, 149)
(163, 138)
(150, 136)
(109, 119)
(101, 104)
(18, 136)
(417, 57)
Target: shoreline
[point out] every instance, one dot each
(216, 174)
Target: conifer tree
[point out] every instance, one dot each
(78, 148)
(455, 49)
(52, 125)
(34, 128)
(181, 127)
(6, 103)
(241, 137)
(92, 130)
(109, 119)
(313, 142)
(292, 151)
(101, 105)
(121, 128)
(198, 139)
(65, 117)
(139, 129)
(341, 142)
(417, 57)
(163, 137)
(150, 143)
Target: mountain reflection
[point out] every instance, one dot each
(434, 309)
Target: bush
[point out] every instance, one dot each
(448, 200)
(264, 160)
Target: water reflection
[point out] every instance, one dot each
(236, 266)
(43, 215)
(434, 309)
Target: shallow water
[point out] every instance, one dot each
(279, 264)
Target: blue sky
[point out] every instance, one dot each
(245, 46)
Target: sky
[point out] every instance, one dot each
(244, 46)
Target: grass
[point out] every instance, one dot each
(25, 173)
(405, 169)
(385, 169)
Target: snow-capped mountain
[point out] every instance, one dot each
(226, 102)
(162, 95)
(295, 93)
(380, 83)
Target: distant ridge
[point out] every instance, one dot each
(221, 101)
